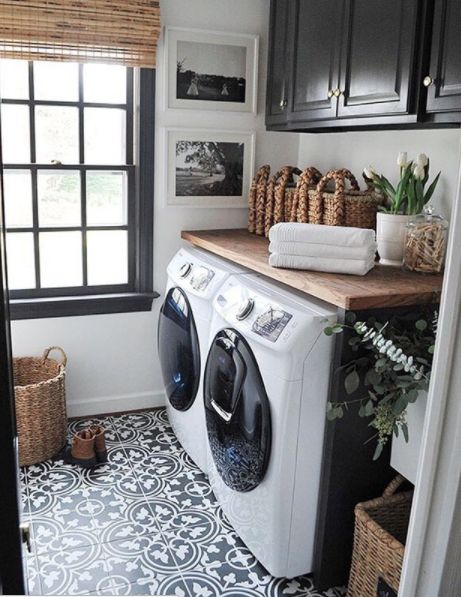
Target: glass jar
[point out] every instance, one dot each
(425, 243)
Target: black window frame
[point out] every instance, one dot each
(137, 294)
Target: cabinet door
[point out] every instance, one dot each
(377, 57)
(444, 84)
(316, 56)
(278, 68)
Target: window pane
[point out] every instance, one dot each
(15, 134)
(106, 203)
(14, 79)
(59, 198)
(61, 259)
(104, 136)
(56, 134)
(20, 260)
(104, 83)
(18, 198)
(107, 257)
(56, 81)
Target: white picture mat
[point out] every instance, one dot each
(173, 135)
(173, 35)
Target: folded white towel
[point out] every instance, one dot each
(317, 250)
(356, 267)
(325, 235)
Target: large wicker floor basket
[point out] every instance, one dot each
(40, 399)
(381, 527)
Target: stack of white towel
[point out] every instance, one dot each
(320, 248)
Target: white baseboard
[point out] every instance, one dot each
(114, 404)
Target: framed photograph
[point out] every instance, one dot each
(208, 168)
(211, 71)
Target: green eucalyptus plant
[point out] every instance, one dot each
(410, 195)
(393, 367)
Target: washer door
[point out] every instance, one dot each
(179, 350)
(237, 412)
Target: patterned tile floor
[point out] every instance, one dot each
(145, 523)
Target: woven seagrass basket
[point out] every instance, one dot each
(257, 200)
(279, 197)
(307, 181)
(343, 207)
(40, 399)
(381, 527)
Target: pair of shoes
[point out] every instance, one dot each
(88, 447)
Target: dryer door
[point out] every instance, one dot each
(237, 412)
(179, 350)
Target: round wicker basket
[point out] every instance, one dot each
(40, 400)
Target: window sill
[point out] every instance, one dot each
(69, 306)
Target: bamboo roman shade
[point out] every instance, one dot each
(112, 31)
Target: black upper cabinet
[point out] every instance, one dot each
(377, 53)
(344, 64)
(443, 78)
(315, 70)
(279, 58)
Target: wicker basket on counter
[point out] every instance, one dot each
(257, 200)
(381, 527)
(40, 400)
(279, 197)
(341, 207)
(307, 181)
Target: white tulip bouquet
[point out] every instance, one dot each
(410, 195)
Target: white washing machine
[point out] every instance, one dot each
(265, 388)
(194, 277)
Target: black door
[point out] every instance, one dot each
(237, 412)
(377, 57)
(316, 59)
(280, 46)
(179, 350)
(444, 77)
(11, 569)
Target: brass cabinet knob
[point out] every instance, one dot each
(337, 92)
(330, 93)
(427, 81)
(283, 103)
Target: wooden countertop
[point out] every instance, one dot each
(384, 286)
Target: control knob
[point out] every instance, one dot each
(185, 270)
(245, 309)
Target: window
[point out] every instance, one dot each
(76, 194)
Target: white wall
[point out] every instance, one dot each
(355, 150)
(113, 362)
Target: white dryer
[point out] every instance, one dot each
(194, 277)
(265, 388)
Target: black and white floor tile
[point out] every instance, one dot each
(145, 523)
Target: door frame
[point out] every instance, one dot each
(433, 548)
(12, 579)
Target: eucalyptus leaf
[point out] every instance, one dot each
(352, 382)
(400, 405)
(405, 431)
(378, 451)
(412, 396)
(328, 331)
(421, 325)
(351, 317)
(369, 408)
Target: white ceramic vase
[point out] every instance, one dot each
(390, 236)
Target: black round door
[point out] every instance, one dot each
(237, 412)
(179, 350)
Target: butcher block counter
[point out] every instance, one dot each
(383, 287)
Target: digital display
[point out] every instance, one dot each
(271, 323)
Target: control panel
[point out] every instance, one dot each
(201, 277)
(271, 323)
